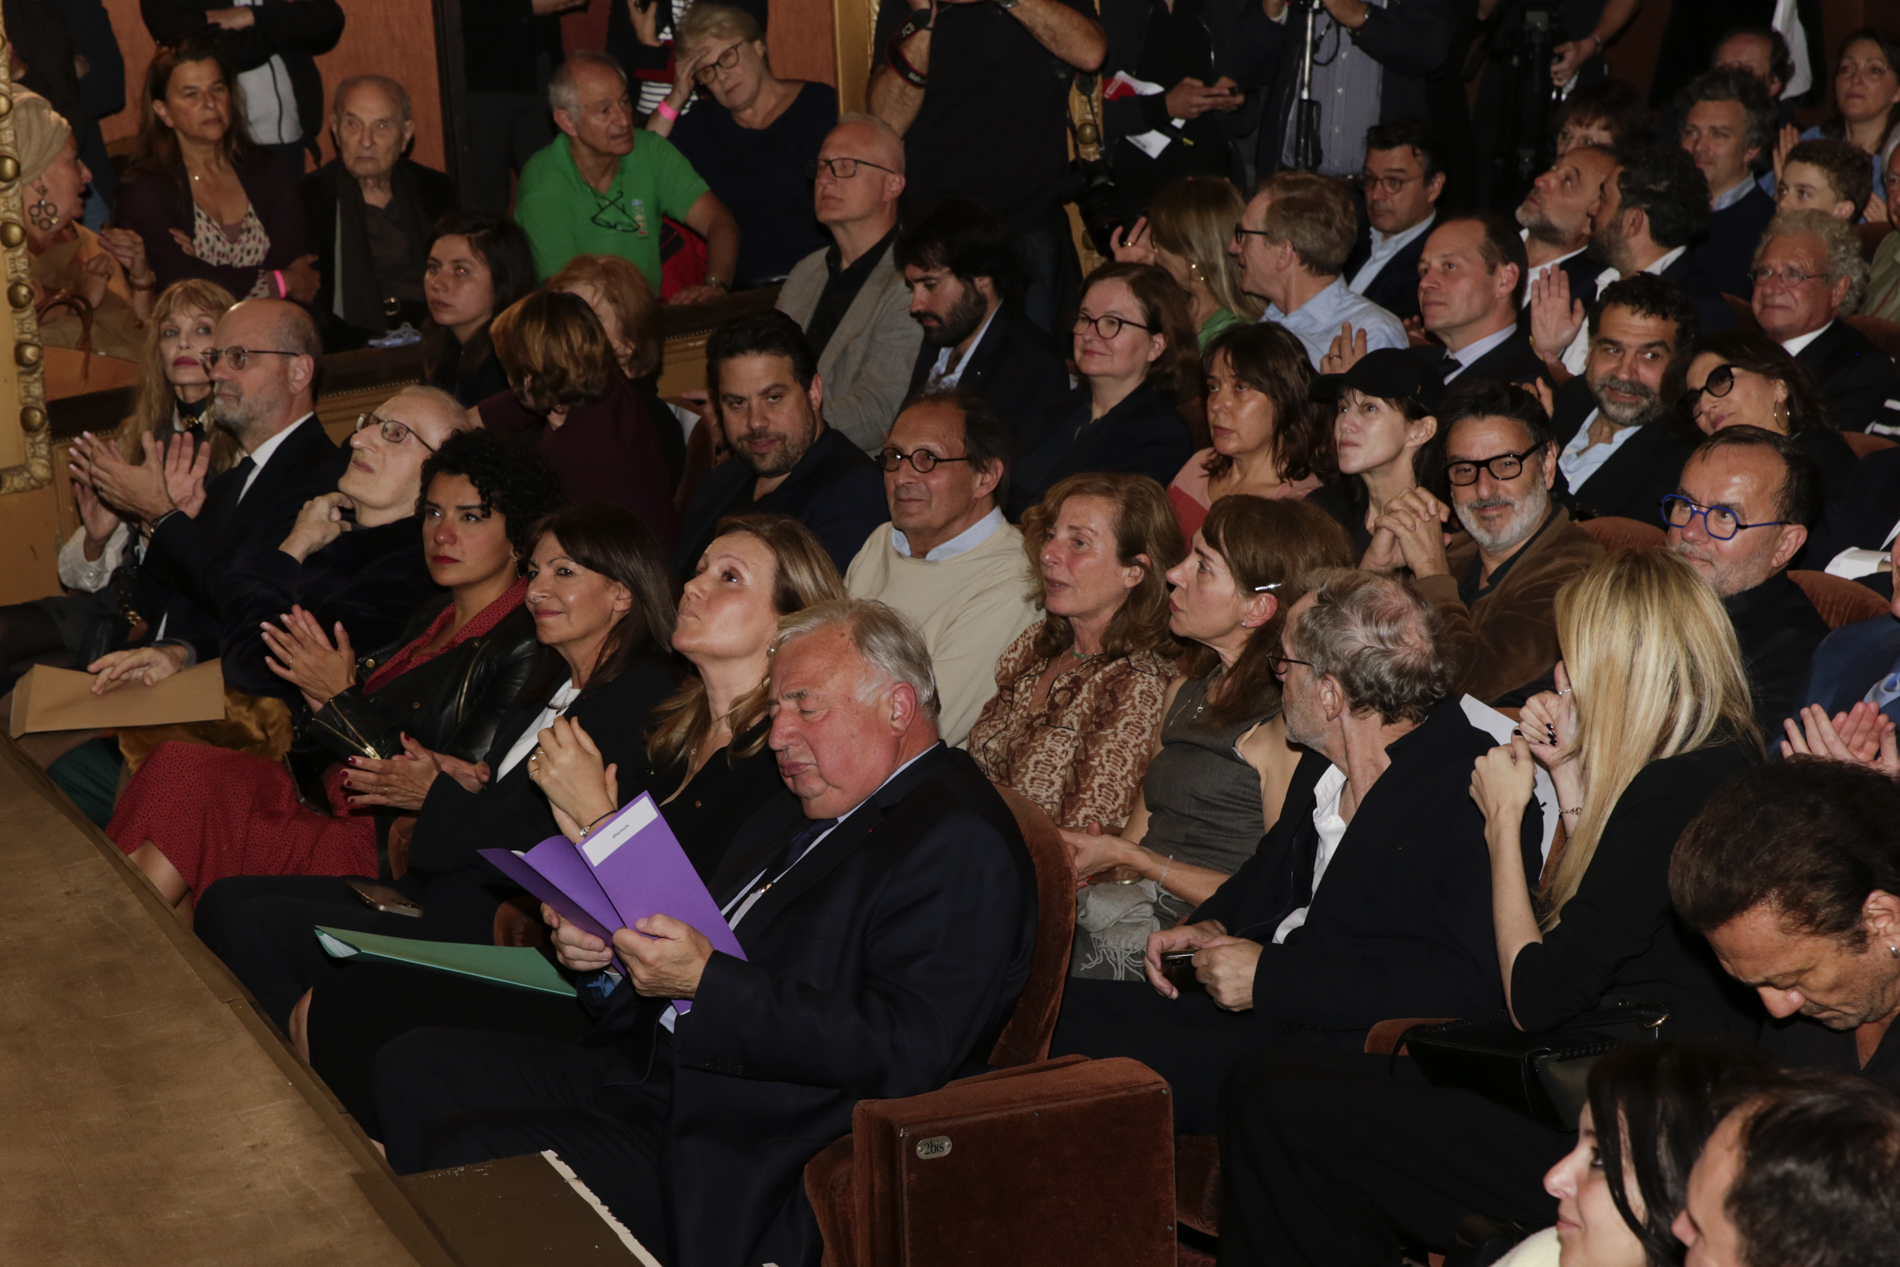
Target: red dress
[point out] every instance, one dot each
(215, 813)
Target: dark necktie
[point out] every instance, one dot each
(795, 847)
(1447, 366)
(240, 474)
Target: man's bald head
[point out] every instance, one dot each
(868, 197)
(276, 385)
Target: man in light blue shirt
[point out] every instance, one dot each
(1292, 242)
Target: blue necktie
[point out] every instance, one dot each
(1885, 691)
(795, 847)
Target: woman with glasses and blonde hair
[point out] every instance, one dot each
(1743, 378)
(749, 134)
(1186, 232)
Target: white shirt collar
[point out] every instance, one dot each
(1540, 270)
(1472, 351)
(1793, 346)
(1664, 260)
(1380, 242)
(964, 542)
(940, 373)
(1733, 194)
(261, 454)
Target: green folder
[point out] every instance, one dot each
(510, 965)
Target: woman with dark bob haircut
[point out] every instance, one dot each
(566, 390)
(1268, 439)
(1743, 378)
(600, 598)
(478, 265)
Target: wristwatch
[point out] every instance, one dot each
(1007, 5)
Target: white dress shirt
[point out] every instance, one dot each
(1383, 249)
(943, 375)
(1332, 829)
(1581, 459)
(261, 454)
(1793, 346)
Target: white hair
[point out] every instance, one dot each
(890, 646)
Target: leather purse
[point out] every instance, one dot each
(1542, 1075)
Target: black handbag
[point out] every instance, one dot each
(1542, 1075)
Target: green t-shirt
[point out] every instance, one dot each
(564, 216)
(1218, 322)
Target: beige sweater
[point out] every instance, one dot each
(968, 608)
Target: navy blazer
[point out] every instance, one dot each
(1634, 479)
(884, 963)
(1143, 435)
(1848, 663)
(1012, 367)
(1863, 516)
(1711, 310)
(1727, 254)
(1395, 286)
(1401, 922)
(1853, 372)
(835, 490)
(1511, 361)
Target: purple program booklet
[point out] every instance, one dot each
(630, 867)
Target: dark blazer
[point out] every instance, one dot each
(1401, 923)
(298, 32)
(1620, 938)
(1779, 630)
(1395, 287)
(835, 490)
(152, 206)
(1511, 361)
(883, 964)
(1711, 310)
(1855, 374)
(1863, 515)
(333, 205)
(1849, 662)
(1727, 254)
(1634, 479)
(1012, 367)
(369, 579)
(1833, 457)
(510, 811)
(722, 798)
(1143, 435)
(181, 578)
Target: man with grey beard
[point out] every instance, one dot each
(1495, 591)
(1620, 454)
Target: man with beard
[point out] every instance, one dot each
(850, 297)
(1495, 592)
(1740, 513)
(965, 285)
(263, 373)
(763, 379)
(1621, 455)
(1556, 219)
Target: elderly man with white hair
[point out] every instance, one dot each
(887, 923)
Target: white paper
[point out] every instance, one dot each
(1499, 727)
(600, 846)
(337, 949)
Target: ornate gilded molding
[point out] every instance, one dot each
(25, 371)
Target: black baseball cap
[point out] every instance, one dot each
(1389, 373)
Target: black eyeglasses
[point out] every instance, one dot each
(392, 431)
(842, 168)
(725, 61)
(922, 461)
(1279, 662)
(1505, 466)
(612, 214)
(1242, 232)
(1107, 327)
(1719, 383)
(1720, 522)
(239, 357)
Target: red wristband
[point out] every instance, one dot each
(283, 288)
(665, 111)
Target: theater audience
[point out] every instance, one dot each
(959, 261)
(1384, 415)
(1728, 124)
(849, 296)
(1221, 763)
(1742, 378)
(1402, 180)
(1555, 215)
(1269, 440)
(1824, 175)
(204, 200)
(599, 594)
(1292, 244)
(1078, 694)
(1471, 274)
(881, 963)
(98, 284)
(1339, 920)
(629, 314)
(567, 394)
(1866, 95)
(194, 814)
(1186, 231)
(1763, 51)
(1646, 732)
(762, 376)
(479, 265)
(1622, 450)
(371, 209)
(1856, 662)
(1494, 591)
(1809, 277)
(1135, 354)
(1610, 113)
(602, 186)
(948, 562)
(749, 136)
(1740, 512)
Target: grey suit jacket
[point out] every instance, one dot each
(866, 366)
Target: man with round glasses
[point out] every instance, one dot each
(1741, 512)
(947, 561)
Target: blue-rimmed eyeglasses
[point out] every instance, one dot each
(1720, 522)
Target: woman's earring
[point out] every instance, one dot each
(43, 214)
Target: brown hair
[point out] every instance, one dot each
(616, 543)
(554, 351)
(1144, 525)
(1275, 364)
(624, 289)
(1177, 371)
(1263, 542)
(153, 407)
(1315, 216)
(803, 576)
(155, 152)
(1843, 163)
(1194, 218)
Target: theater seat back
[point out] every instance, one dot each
(1839, 600)
(1025, 1039)
(1614, 532)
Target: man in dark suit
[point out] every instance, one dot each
(1471, 276)
(768, 397)
(887, 924)
(1349, 913)
(1856, 532)
(1621, 451)
(263, 382)
(1556, 219)
(1403, 178)
(1728, 127)
(1856, 662)
(964, 281)
(1812, 275)
(370, 212)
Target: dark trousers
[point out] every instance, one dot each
(1338, 1160)
(455, 1098)
(505, 130)
(263, 927)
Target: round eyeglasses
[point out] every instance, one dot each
(392, 431)
(1720, 522)
(1106, 326)
(725, 61)
(1719, 383)
(922, 461)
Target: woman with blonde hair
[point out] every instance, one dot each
(1186, 232)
